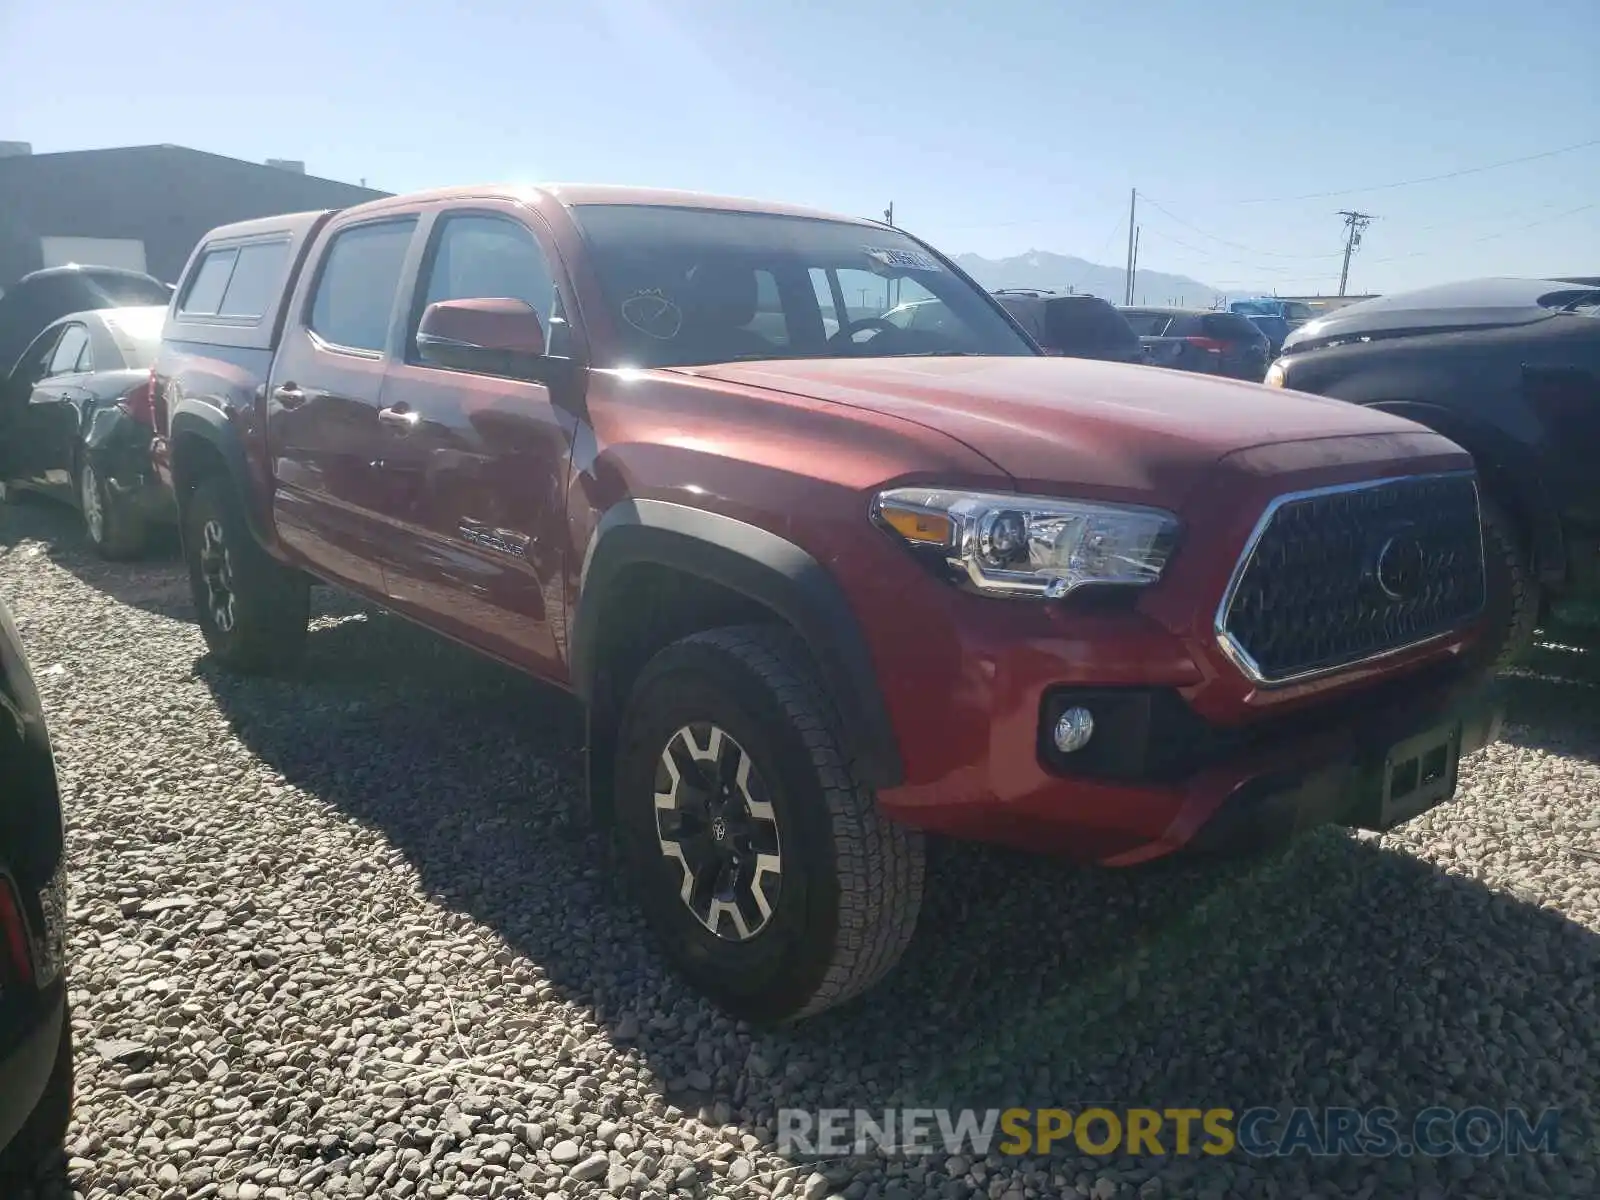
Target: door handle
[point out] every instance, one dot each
(399, 418)
(289, 396)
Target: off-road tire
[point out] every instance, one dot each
(271, 603)
(122, 530)
(43, 1135)
(1512, 600)
(851, 883)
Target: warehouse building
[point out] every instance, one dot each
(140, 207)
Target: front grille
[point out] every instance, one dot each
(1333, 577)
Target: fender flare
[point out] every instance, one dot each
(1506, 471)
(192, 418)
(765, 568)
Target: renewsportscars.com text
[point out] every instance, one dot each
(1257, 1132)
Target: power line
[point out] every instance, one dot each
(1090, 262)
(1499, 233)
(1384, 187)
(1235, 245)
(1212, 256)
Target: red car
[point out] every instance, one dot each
(822, 582)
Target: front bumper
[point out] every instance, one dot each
(1234, 795)
(1344, 789)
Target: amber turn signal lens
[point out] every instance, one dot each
(921, 528)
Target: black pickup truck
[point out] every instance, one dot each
(1509, 369)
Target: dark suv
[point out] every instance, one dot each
(1509, 369)
(35, 1036)
(1212, 343)
(1073, 325)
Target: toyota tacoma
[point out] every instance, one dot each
(824, 584)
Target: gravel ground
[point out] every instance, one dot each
(343, 936)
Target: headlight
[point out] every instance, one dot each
(1274, 375)
(1031, 545)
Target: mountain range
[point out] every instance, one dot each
(1063, 272)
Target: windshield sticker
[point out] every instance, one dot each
(652, 314)
(900, 260)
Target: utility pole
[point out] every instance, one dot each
(1133, 273)
(1127, 275)
(1354, 223)
(890, 288)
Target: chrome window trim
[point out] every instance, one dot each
(1236, 653)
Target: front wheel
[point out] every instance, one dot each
(252, 610)
(763, 866)
(1512, 593)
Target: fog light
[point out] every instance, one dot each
(1073, 729)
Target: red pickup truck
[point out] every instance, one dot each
(823, 584)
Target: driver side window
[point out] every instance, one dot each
(869, 295)
(34, 364)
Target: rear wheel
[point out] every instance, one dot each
(1513, 600)
(114, 529)
(252, 610)
(763, 866)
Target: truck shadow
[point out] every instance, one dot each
(1336, 972)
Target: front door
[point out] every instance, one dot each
(18, 456)
(48, 418)
(54, 426)
(475, 466)
(323, 400)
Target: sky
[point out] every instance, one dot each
(993, 126)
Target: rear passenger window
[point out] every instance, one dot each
(478, 257)
(257, 280)
(204, 293)
(72, 352)
(356, 289)
(1026, 312)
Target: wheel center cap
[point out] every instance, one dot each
(719, 830)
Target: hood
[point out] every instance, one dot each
(1109, 429)
(1474, 304)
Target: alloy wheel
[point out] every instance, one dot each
(715, 820)
(94, 513)
(216, 568)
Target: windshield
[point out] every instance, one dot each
(692, 286)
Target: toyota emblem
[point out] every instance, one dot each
(1400, 567)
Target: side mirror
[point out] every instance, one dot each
(491, 336)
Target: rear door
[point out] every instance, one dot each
(323, 432)
(475, 466)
